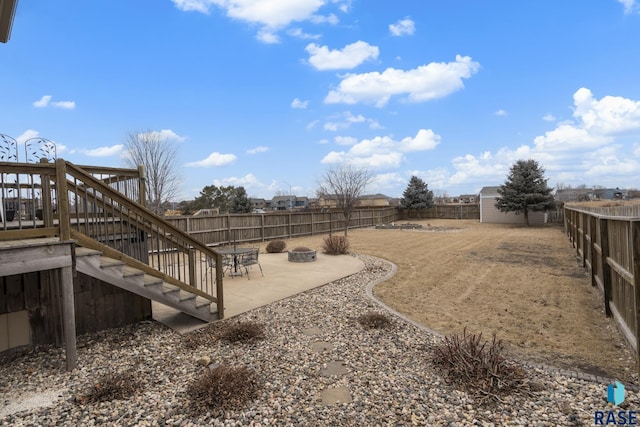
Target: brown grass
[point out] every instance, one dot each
(523, 284)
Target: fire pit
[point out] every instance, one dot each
(302, 254)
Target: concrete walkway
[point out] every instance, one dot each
(281, 279)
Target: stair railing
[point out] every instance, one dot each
(94, 206)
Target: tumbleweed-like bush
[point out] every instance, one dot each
(374, 320)
(111, 386)
(335, 245)
(224, 387)
(480, 367)
(276, 246)
(241, 332)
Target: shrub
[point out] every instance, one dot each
(112, 386)
(301, 249)
(479, 367)
(224, 387)
(336, 245)
(374, 320)
(242, 331)
(276, 246)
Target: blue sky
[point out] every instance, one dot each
(267, 94)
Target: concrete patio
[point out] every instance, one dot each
(281, 279)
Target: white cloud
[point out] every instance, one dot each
(298, 33)
(427, 82)
(42, 102)
(268, 37)
(298, 104)
(45, 101)
(271, 15)
(214, 159)
(331, 19)
(500, 113)
(609, 115)
(630, 6)
(247, 181)
(587, 147)
(352, 55)
(103, 151)
(404, 27)
(28, 134)
(345, 140)
(259, 149)
(384, 152)
(164, 134)
(345, 120)
(549, 118)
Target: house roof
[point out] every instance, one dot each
(7, 12)
(489, 191)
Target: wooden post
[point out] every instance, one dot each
(635, 260)
(63, 200)
(219, 286)
(585, 221)
(262, 226)
(68, 314)
(192, 267)
(312, 224)
(47, 206)
(606, 268)
(289, 225)
(142, 186)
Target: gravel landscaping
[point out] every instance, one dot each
(317, 365)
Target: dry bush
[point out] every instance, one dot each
(374, 320)
(301, 249)
(336, 245)
(276, 246)
(112, 386)
(242, 331)
(481, 368)
(224, 387)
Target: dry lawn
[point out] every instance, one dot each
(524, 284)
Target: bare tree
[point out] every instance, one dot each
(344, 184)
(158, 155)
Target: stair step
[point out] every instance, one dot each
(81, 251)
(131, 272)
(106, 262)
(187, 296)
(152, 281)
(202, 302)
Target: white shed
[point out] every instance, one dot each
(490, 214)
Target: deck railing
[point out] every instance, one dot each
(97, 207)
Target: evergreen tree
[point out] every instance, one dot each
(525, 190)
(240, 202)
(416, 195)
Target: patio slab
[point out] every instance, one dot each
(282, 279)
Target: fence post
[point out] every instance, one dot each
(289, 225)
(606, 269)
(585, 221)
(142, 186)
(593, 224)
(635, 260)
(262, 227)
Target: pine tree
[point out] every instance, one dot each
(525, 190)
(240, 202)
(416, 195)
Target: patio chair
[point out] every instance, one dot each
(249, 259)
(227, 264)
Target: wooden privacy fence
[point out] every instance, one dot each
(226, 229)
(609, 246)
(463, 211)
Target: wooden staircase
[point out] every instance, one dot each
(115, 272)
